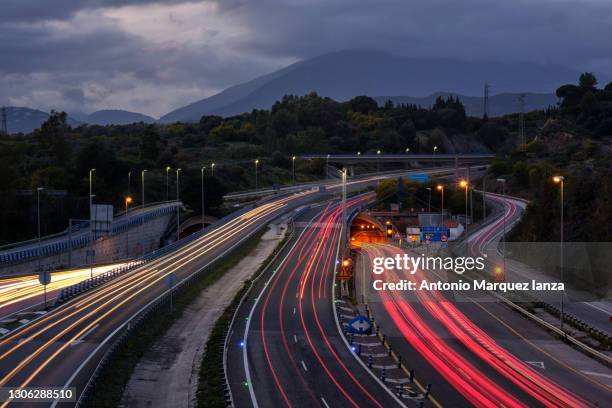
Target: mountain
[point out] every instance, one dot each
(342, 75)
(115, 117)
(500, 104)
(25, 120)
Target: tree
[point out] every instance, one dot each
(51, 137)
(587, 81)
(149, 145)
(362, 104)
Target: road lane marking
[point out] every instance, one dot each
(82, 338)
(325, 402)
(304, 365)
(597, 374)
(295, 338)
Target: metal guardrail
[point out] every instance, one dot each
(130, 325)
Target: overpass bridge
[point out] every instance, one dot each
(463, 158)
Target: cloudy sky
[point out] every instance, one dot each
(153, 56)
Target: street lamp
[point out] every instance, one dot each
(561, 181)
(378, 152)
(142, 178)
(129, 182)
(344, 235)
(293, 169)
(256, 163)
(38, 190)
(167, 184)
(434, 149)
(178, 207)
(326, 167)
(91, 171)
(440, 188)
(465, 184)
(429, 201)
(503, 181)
(202, 171)
(212, 170)
(128, 201)
(407, 150)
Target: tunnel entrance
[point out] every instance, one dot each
(366, 229)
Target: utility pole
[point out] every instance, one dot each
(485, 114)
(344, 235)
(38, 190)
(202, 171)
(178, 207)
(167, 184)
(91, 232)
(484, 206)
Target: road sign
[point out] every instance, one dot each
(360, 325)
(44, 278)
(344, 274)
(444, 238)
(420, 178)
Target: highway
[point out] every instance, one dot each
(25, 292)
(596, 312)
(63, 347)
(286, 349)
(474, 350)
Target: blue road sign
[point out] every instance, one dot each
(435, 234)
(44, 278)
(360, 325)
(419, 178)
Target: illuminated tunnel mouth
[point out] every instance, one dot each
(366, 229)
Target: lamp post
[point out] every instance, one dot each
(167, 183)
(344, 235)
(561, 181)
(129, 183)
(91, 171)
(142, 204)
(142, 178)
(202, 171)
(256, 163)
(293, 169)
(435, 148)
(178, 207)
(407, 150)
(358, 153)
(465, 184)
(38, 190)
(128, 201)
(503, 181)
(440, 188)
(429, 200)
(326, 167)
(212, 170)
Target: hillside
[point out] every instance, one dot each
(116, 117)
(343, 75)
(499, 105)
(25, 120)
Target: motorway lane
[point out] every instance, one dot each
(486, 240)
(25, 292)
(294, 352)
(63, 347)
(49, 351)
(473, 341)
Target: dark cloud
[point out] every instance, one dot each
(152, 56)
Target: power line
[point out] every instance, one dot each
(486, 101)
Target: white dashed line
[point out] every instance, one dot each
(304, 365)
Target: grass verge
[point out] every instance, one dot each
(113, 379)
(210, 392)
